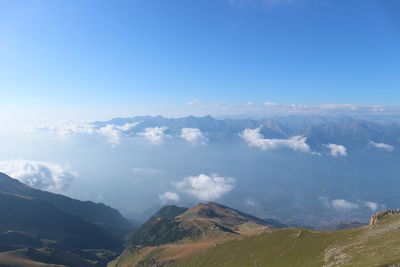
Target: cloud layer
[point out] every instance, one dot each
(67, 129)
(383, 146)
(337, 150)
(372, 205)
(346, 205)
(206, 188)
(113, 132)
(154, 135)
(193, 136)
(169, 197)
(342, 204)
(270, 108)
(42, 175)
(254, 138)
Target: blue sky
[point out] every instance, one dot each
(97, 59)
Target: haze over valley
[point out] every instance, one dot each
(303, 169)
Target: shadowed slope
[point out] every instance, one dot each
(105, 216)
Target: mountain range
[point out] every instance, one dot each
(356, 134)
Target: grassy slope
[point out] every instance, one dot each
(376, 245)
(373, 245)
(147, 256)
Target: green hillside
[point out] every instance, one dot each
(375, 245)
(172, 223)
(159, 229)
(175, 232)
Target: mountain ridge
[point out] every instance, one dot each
(39, 228)
(100, 214)
(176, 228)
(356, 134)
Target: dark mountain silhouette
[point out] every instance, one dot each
(39, 228)
(98, 213)
(41, 219)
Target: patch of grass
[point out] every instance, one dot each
(377, 245)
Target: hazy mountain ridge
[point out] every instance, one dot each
(356, 134)
(214, 129)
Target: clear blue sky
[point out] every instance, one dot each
(117, 57)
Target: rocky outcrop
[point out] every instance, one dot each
(377, 216)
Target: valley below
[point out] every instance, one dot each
(39, 228)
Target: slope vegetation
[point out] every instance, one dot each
(377, 244)
(176, 232)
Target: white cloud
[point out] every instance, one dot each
(65, 129)
(169, 196)
(128, 126)
(337, 150)
(345, 205)
(193, 136)
(372, 205)
(194, 102)
(271, 104)
(268, 109)
(251, 202)
(114, 132)
(255, 139)
(147, 171)
(342, 204)
(339, 106)
(206, 188)
(154, 134)
(42, 175)
(386, 147)
(68, 128)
